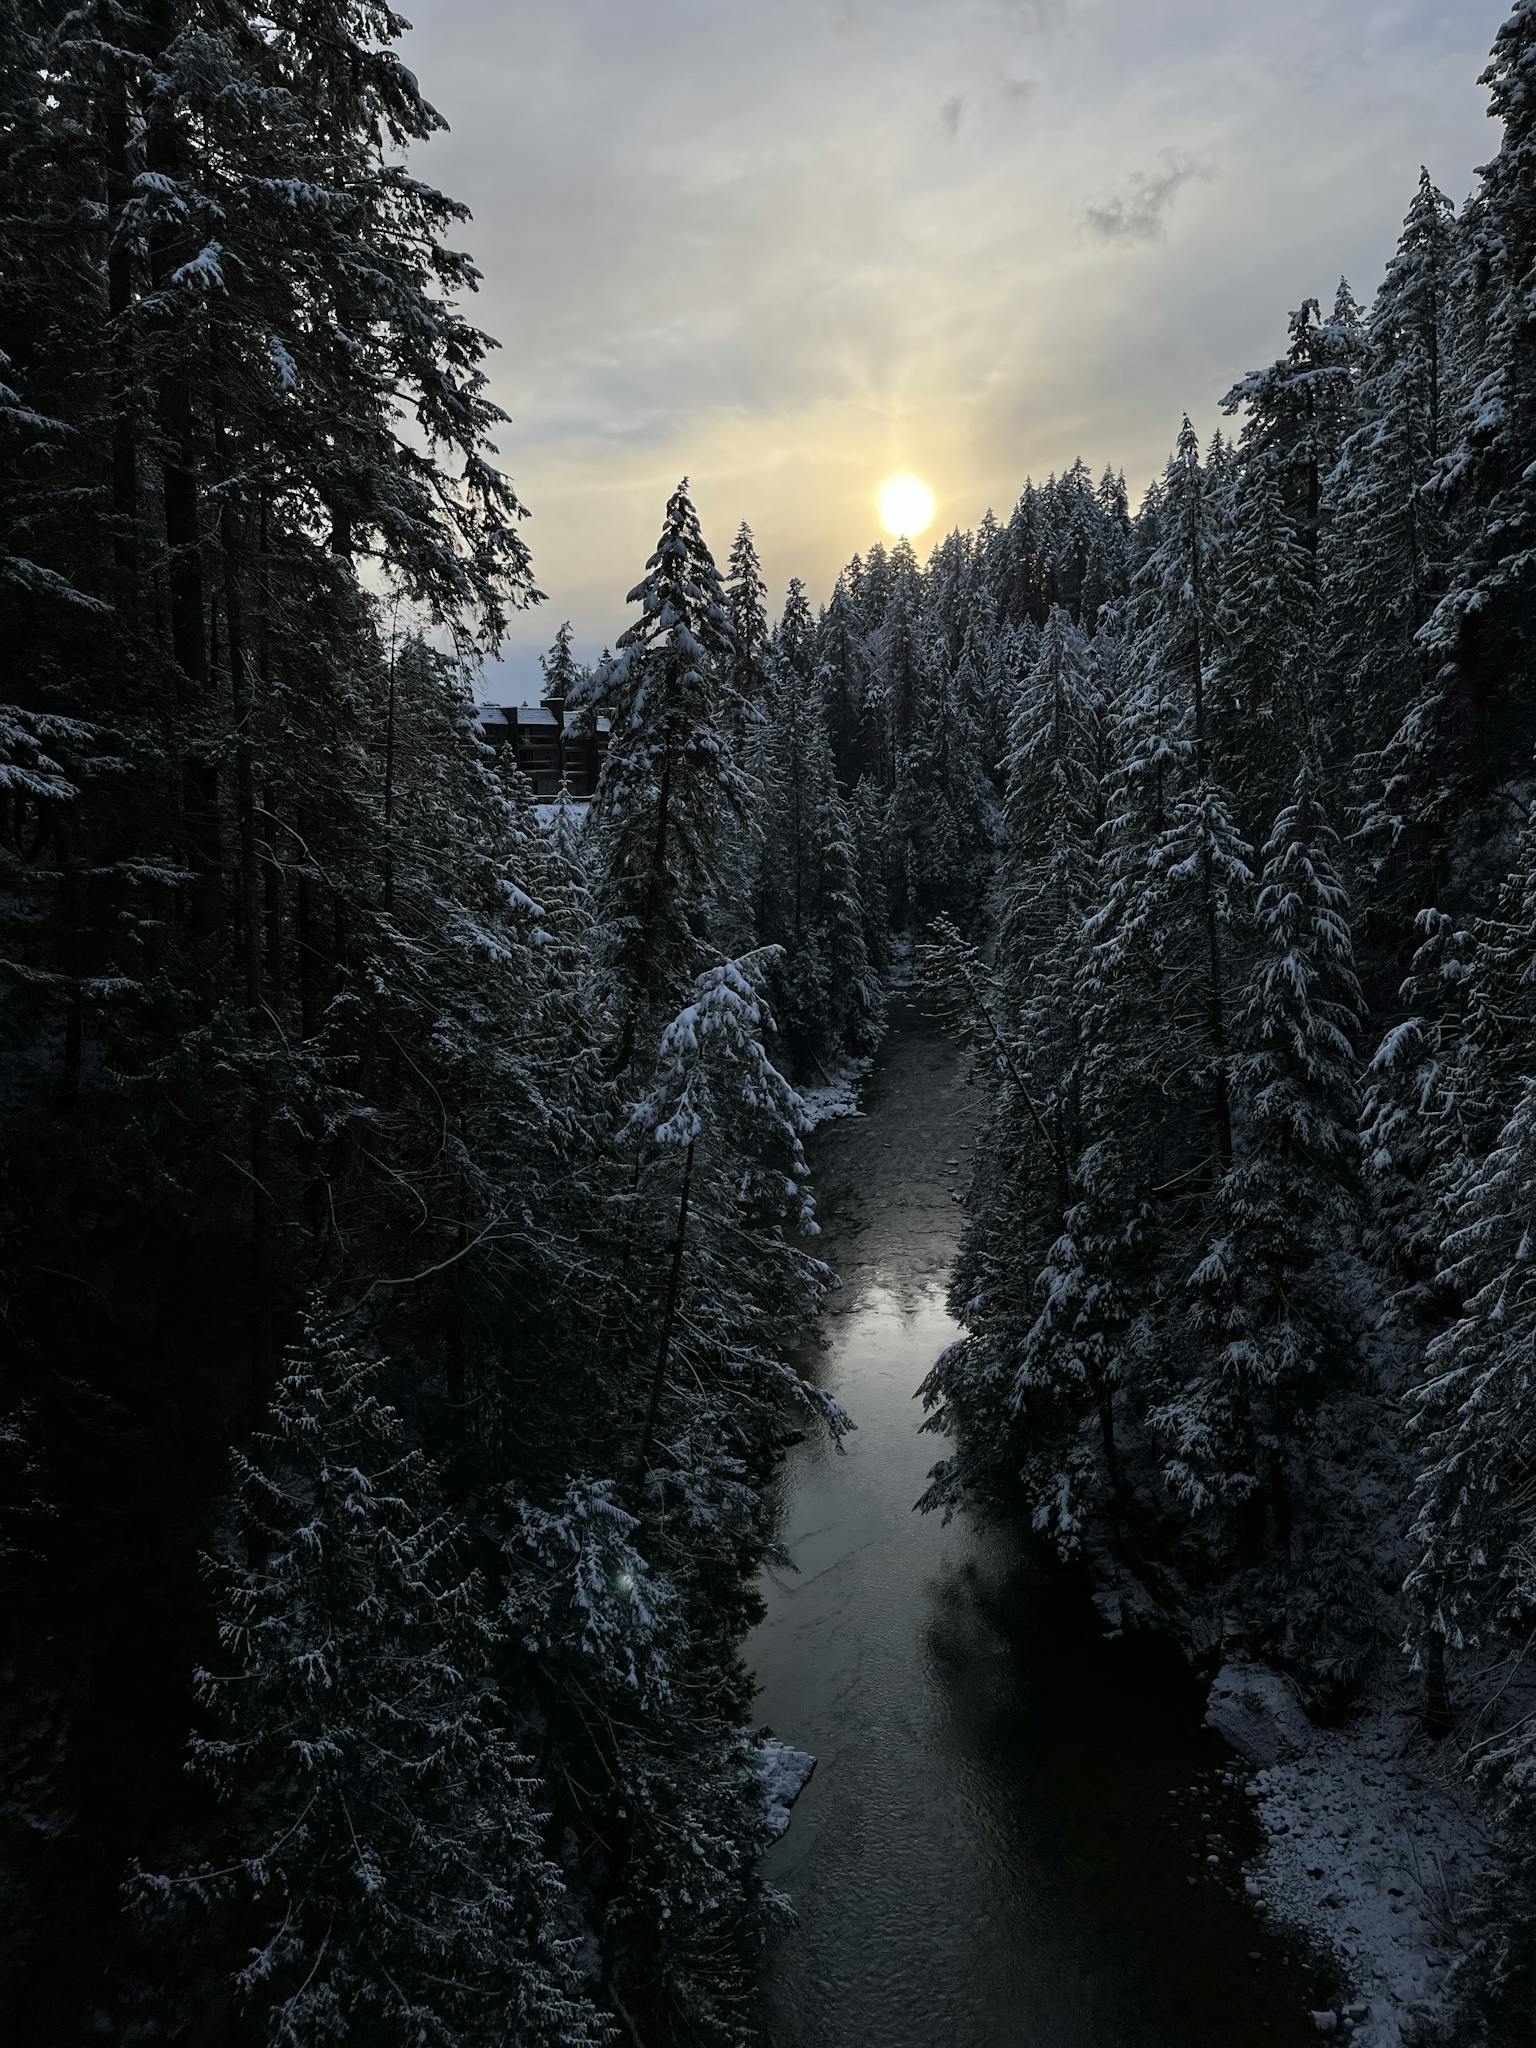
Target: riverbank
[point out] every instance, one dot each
(1374, 1852)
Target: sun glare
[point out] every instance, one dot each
(906, 506)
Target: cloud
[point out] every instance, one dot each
(760, 251)
(1040, 17)
(1140, 212)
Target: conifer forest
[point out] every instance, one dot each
(410, 1270)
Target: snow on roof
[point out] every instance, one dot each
(528, 714)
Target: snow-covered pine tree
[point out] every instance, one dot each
(848, 931)
(1384, 553)
(735, 1124)
(560, 670)
(746, 603)
(1267, 1302)
(1052, 815)
(1468, 731)
(842, 689)
(671, 794)
(1039, 1356)
(243, 366)
(717, 1136)
(1176, 868)
(810, 898)
(1263, 681)
(1300, 410)
(870, 817)
(383, 1861)
(787, 740)
(464, 1035)
(900, 682)
(752, 679)
(943, 807)
(984, 711)
(1443, 1079)
(567, 830)
(1106, 579)
(1473, 1577)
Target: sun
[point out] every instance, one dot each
(906, 506)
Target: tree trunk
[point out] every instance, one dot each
(269, 849)
(263, 1307)
(389, 789)
(307, 934)
(1106, 1401)
(125, 459)
(668, 1324)
(181, 497)
(1438, 1717)
(1216, 1022)
(242, 705)
(1280, 1500)
(70, 942)
(655, 890)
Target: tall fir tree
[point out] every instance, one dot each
(671, 793)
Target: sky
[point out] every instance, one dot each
(791, 247)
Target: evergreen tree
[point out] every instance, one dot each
(943, 813)
(789, 743)
(751, 679)
(842, 688)
(1289, 1201)
(567, 831)
(1473, 1529)
(1384, 556)
(1263, 680)
(718, 1136)
(831, 1000)
(561, 674)
(1176, 872)
(671, 793)
(1299, 412)
(1467, 730)
(384, 1861)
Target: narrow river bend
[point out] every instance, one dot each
(1005, 1840)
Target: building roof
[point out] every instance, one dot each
(525, 715)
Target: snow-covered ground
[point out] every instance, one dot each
(1373, 1847)
(901, 968)
(839, 1095)
(785, 1773)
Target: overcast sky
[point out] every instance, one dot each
(791, 246)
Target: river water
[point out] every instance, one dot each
(1005, 1840)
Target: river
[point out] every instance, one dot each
(1005, 1840)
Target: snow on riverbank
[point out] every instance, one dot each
(785, 1773)
(1373, 1847)
(901, 964)
(839, 1096)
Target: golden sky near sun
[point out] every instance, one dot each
(871, 240)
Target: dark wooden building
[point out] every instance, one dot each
(550, 747)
